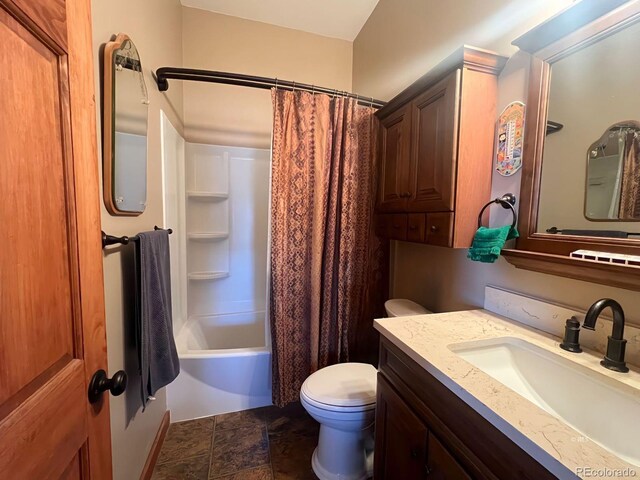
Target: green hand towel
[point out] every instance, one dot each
(488, 243)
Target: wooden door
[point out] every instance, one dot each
(435, 136)
(395, 159)
(401, 438)
(52, 327)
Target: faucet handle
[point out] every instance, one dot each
(614, 358)
(571, 340)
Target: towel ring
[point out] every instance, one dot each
(507, 201)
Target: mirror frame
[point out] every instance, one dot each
(580, 25)
(108, 112)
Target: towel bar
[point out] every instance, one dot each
(112, 240)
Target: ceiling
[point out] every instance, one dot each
(331, 18)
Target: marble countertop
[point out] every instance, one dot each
(561, 449)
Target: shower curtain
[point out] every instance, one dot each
(328, 275)
(630, 195)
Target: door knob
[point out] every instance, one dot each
(101, 383)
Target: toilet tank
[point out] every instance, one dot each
(401, 307)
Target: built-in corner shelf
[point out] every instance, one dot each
(208, 236)
(208, 196)
(202, 276)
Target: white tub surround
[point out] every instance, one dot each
(427, 340)
(220, 207)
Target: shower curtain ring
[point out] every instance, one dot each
(294, 86)
(276, 83)
(371, 104)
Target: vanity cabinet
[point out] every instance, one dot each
(425, 431)
(409, 450)
(436, 151)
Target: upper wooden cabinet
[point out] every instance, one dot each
(436, 155)
(396, 147)
(434, 117)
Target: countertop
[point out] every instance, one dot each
(561, 449)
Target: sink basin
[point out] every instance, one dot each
(602, 409)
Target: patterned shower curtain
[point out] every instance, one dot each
(630, 193)
(328, 270)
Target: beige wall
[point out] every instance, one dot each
(425, 32)
(240, 116)
(403, 39)
(155, 27)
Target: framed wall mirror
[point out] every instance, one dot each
(581, 180)
(124, 128)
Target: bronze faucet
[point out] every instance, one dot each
(614, 358)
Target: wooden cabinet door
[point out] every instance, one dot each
(441, 465)
(52, 327)
(401, 438)
(394, 161)
(434, 149)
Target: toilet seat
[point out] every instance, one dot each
(347, 387)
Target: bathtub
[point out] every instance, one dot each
(225, 366)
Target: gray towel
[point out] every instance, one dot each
(159, 364)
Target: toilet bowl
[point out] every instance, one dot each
(342, 399)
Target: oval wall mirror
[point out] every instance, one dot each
(124, 141)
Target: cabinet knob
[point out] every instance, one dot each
(434, 228)
(427, 470)
(415, 453)
(407, 194)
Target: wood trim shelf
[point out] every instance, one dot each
(620, 276)
(200, 276)
(208, 196)
(207, 236)
(561, 25)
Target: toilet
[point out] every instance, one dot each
(342, 399)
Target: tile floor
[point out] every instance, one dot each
(261, 444)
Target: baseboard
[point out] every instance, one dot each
(150, 464)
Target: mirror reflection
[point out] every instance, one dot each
(129, 130)
(613, 174)
(591, 165)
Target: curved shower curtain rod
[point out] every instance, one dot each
(164, 74)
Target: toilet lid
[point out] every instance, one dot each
(401, 307)
(342, 385)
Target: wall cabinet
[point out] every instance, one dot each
(395, 168)
(436, 150)
(424, 431)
